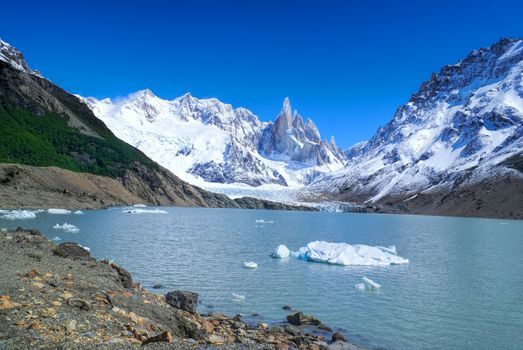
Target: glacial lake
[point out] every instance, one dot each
(463, 287)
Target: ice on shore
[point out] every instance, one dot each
(347, 254)
(261, 221)
(250, 264)
(67, 228)
(281, 252)
(140, 206)
(58, 211)
(17, 214)
(86, 248)
(144, 211)
(78, 212)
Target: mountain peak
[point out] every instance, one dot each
(15, 58)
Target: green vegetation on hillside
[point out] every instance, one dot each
(27, 138)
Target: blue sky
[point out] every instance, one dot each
(346, 64)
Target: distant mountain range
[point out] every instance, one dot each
(210, 141)
(456, 147)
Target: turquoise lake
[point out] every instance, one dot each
(463, 287)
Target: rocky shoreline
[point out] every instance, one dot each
(58, 296)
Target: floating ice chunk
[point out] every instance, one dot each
(360, 286)
(67, 228)
(58, 211)
(281, 252)
(18, 214)
(78, 212)
(346, 254)
(261, 221)
(238, 296)
(86, 248)
(250, 264)
(370, 284)
(56, 238)
(144, 211)
(140, 206)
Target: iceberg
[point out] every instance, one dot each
(347, 254)
(18, 214)
(370, 284)
(58, 211)
(144, 211)
(56, 238)
(281, 252)
(250, 264)
(360, 286)
(140, 206)
(238, 296)
(86, 248)
(78, 212)
(367, 284)
(261, 221)
(67, 228)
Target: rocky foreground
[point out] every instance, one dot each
(58, 296)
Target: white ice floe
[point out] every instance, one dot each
(86, 248)
(56, 238)
(360, 286)
(250, 264)
(67, 228)
(78, 212)
(140, 206)
(144, 211)
(370, 284)
(281, 252)
(18, 214)
(58, 211)
(238, 296)
(261, 221)
(347, 254)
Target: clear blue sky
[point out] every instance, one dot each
(346, 64)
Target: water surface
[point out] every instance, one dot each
(463, 288)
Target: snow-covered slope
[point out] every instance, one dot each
(467, 119)
(207, 142)
(15, 58)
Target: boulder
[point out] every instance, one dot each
(299, 319)
(72, 251)
(338, 336)
(182, 300)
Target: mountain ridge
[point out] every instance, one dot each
(456, 131)
(208, 141)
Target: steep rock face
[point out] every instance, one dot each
(290, 139)
(467, 119)
(207, 141)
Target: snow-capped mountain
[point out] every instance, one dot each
(459, 128)
(15, 58)
(206, 141)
